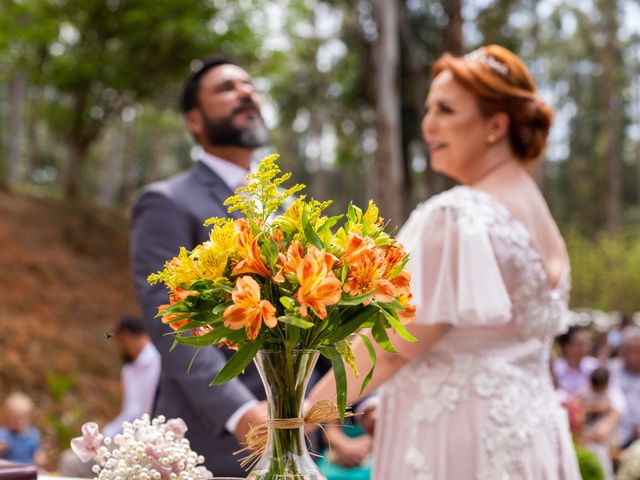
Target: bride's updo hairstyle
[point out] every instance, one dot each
(502, 83)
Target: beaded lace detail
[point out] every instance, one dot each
(517, 390)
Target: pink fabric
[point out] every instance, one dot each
(480, 403)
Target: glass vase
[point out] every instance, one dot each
(285, 375)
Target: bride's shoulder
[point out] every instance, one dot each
(460, 199)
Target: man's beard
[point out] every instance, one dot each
(222, 131)
(126, 358)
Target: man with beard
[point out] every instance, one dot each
(222, 111)
(140, 372)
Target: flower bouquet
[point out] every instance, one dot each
(279, 286)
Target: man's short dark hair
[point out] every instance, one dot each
(132, 325)
(191, 87)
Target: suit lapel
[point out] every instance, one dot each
(215, 186)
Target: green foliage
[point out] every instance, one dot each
(590, 468)
(62, 419)
(96, 57)
(605, 270)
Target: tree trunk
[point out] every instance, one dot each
(613, 107)
(34, 139)
(77, 153)
(453, 31)
(388, 159)
(17, 92)
(111, 176)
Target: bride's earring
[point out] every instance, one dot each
(491, 139)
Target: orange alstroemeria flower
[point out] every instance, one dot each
(248, 310)
(319, 287)
(288, 264)
(407, 315)
(394, 255)
(356, 247)
(367, 274)
(249, 249)
(176, 295)
(402, 282)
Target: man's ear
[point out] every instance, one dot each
(193, 121)
(499, 125)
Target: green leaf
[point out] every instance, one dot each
(340, 375)
(271, 249)
(193, 360)
(218, 309)
(238, 362)
(309, 233)
(298, 322)
(355, 300)
(380, 335)
(346, 329)
(344, 273)
(287, 302)
(372, 356)
(397, 325)
(354, 214)
(207, 339)
(293, 335)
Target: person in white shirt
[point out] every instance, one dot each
(140, 373)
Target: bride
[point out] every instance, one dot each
(473, 399)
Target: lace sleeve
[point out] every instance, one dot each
(456, 278)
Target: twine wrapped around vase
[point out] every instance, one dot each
(256, 440)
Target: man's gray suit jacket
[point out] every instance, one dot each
(166, 216)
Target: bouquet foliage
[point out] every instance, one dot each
(288, 280)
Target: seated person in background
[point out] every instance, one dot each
(602, 411)
(20, 441)
(573, 369)
(140, 373)
(625, 372)
(595, 400)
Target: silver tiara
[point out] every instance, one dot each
(495, 65)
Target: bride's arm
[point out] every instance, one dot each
(386, 366)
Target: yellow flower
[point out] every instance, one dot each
(179, 271)
(212, 262)
(262, 197)
(223, 234)
(319, 287)
(248, 310)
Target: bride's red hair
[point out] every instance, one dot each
(502, 83)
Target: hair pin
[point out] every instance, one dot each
(495, 65)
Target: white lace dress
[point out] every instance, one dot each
(480, 403)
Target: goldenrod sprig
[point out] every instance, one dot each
(262, 197)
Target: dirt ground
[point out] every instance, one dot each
(64, 283)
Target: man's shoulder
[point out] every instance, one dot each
(171, 186)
